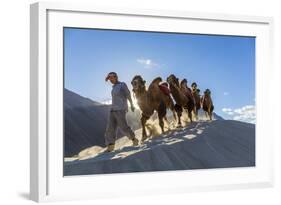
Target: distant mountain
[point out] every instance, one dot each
(217, 117)
(85, 122)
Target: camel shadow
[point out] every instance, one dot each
(190, 132)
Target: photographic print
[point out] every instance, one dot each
(142, 101)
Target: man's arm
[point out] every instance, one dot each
(128, 96)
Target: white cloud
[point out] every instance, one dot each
(148, 63)
(246, 113)
(226, 109)
(225, 93)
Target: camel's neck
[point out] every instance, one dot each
(141, 97)
(141, 94)
(154, 85)
(176, 93)
(207, 100)
(195, 94)
(144, 102)
(173, 87)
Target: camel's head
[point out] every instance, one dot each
(138, 84)
(194, 86)
(172, 79)
(207, 92)
(183, 82)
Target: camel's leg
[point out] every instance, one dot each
(161, 115)
(211, 115)
(143, 122)
(195, 113)
(161, 123)
(174, 115)
(206, 114)
(190, 107)
(179, 113)
(174, 112)
(178, 109)
(190, 115)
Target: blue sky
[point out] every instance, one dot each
(224, 64)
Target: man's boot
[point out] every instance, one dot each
(135, 141)
(110, 148)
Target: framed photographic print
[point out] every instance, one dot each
(150, 101)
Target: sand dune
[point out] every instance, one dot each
(203, 144)
(85, 122)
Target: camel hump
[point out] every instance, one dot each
(157, 80)
(164, 88)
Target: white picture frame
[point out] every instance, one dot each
(47, 182)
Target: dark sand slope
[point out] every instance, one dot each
(216, 144)
(85, 122)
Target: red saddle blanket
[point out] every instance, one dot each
(164, 88)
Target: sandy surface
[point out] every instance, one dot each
(200, 145)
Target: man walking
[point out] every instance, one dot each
(117, 116)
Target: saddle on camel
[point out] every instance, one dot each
(164, 87)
